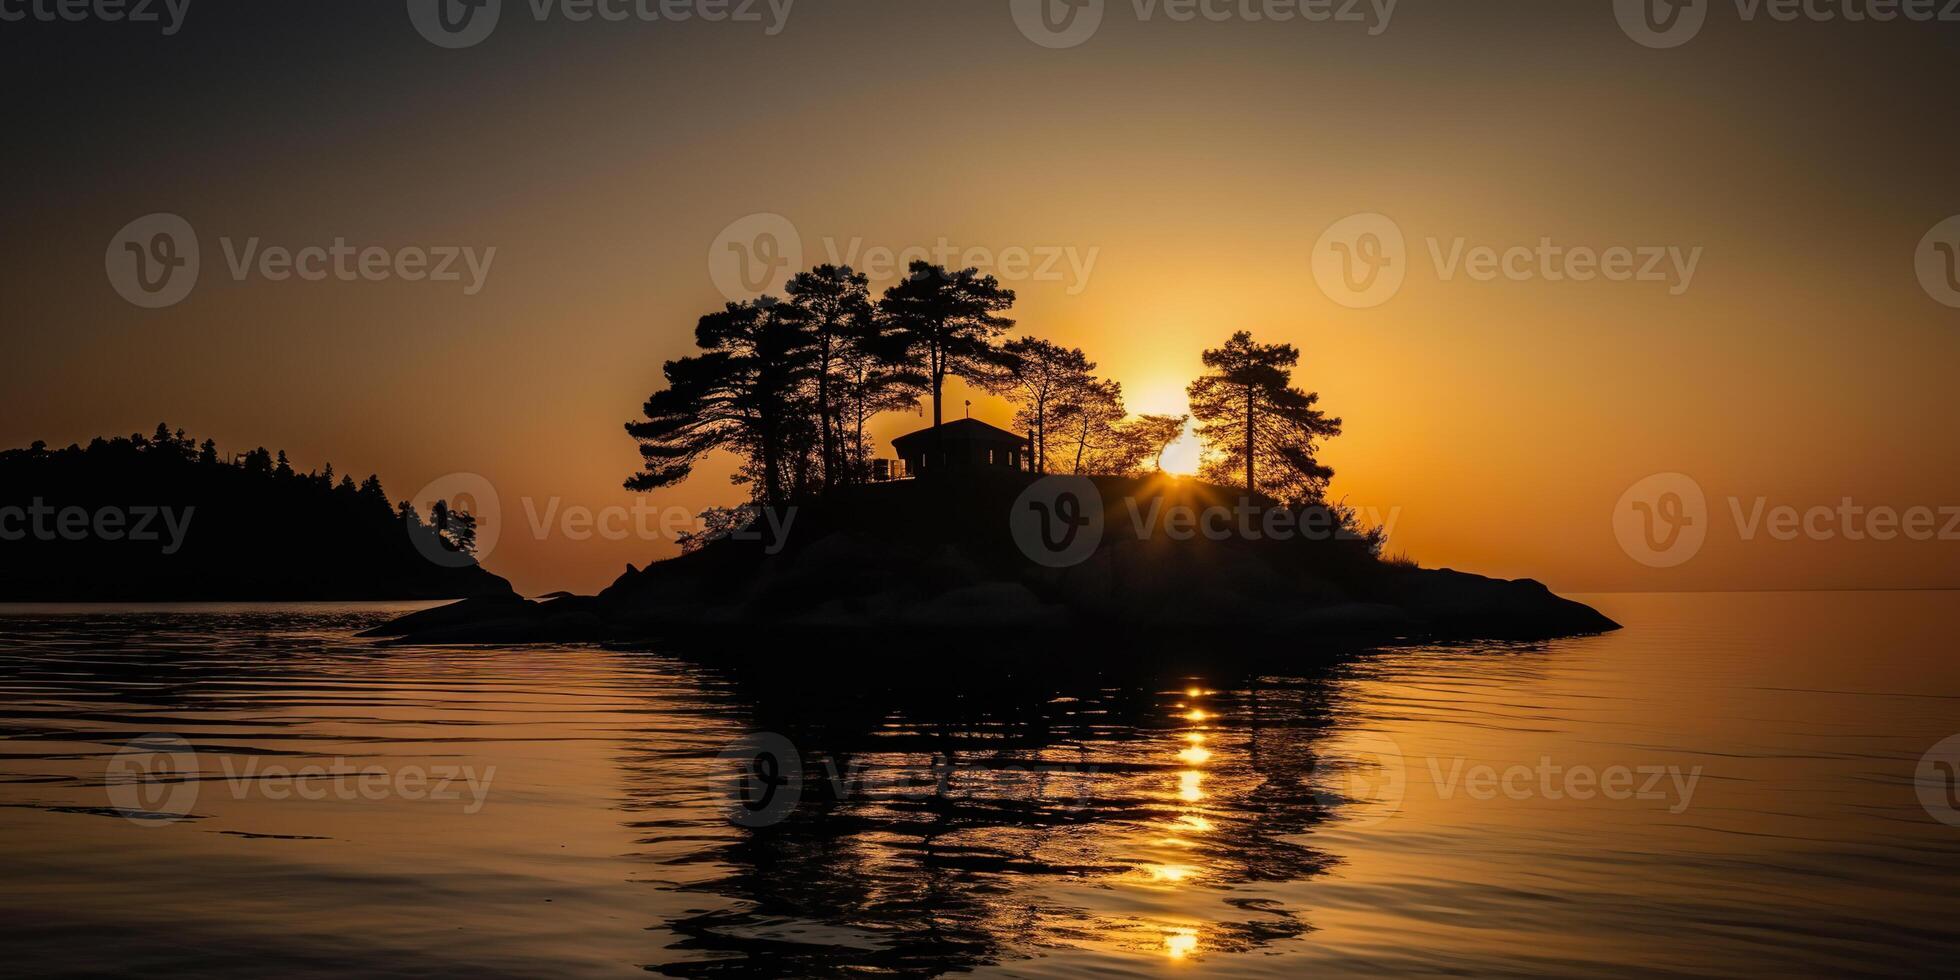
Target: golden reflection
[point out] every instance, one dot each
(1192, 752)
(1187, 786)
(1178, 943)
(1172, 872)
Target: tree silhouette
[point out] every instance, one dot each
(1036, 375)
(872, 378)
(1088, 415)
(1251, 418)
(456, 529)
(371, 495)
(1148, 436)
(835, 304)
(744, 392)
(947, 321)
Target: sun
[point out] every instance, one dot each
(1166, 397)
(1180, 458)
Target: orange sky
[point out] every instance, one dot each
(1497, 422)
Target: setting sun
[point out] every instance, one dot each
(1035, 488)
(1181, 458)
(1166, 397)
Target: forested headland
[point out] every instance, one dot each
(163, 517)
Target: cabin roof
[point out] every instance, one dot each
(959, 430)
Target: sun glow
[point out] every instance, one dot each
(1179, 943)
(1189, 788)
(1180, 458)
(1166, 397)
(1171, 872)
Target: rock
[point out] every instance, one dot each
(1458, 602)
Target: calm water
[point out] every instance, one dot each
(1727, 785)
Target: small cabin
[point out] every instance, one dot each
(967, 444)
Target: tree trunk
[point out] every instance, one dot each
(1250, 487)
(938, 382)
(937, 453)
(828, 438)
(857, 455)
(772, 475)
(1040, 447)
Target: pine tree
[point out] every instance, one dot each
(1251, 418)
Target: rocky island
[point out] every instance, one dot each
(915, 561)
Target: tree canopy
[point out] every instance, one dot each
(744, 391)
(790, 387)
(1038, 376)
(1253, 421)
(947, 321)
(834, 304)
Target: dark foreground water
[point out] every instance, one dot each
(1734, 783)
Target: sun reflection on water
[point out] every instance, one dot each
(1178, 943)
(1171, 872)
(1188, 788)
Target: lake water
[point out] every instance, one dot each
(1733, 783)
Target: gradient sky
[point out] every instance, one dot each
(1498, 422)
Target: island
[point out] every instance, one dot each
(912, 564)
(1067, 527)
